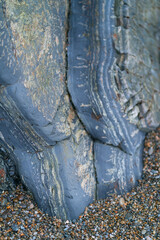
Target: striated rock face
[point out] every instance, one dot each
(52, 151)
(118, 144)
(76, 83)
(136, 70)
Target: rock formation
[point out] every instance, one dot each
(79, 88)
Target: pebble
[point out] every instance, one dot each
(150, 151)
(31, 206)
(122, 202)
(148, 238)
(21, 197)
(14, 227)
(132, 216)
(144, 231)
(3, 201)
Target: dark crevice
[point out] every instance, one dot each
(66, 67)
(95, 174)
(70, 97)
(119, 146)
(12, 177)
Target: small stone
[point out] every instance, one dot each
(74, 220)
(66, 228)
(154, 171)
(157, 176)
(31, 206)
(14, 227)
(122, 202)
(144, 231)
(148, 238)
(111, 235)
(3, 201)
(22, 227)
(150, 151)
(128, 216)
(23, 206)
(66, 222)
(66, 235)
(20, 197)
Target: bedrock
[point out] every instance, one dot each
(118, 144)
(72, 126)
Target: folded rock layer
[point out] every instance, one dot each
(51, 149)
(100, 45)
(72, 114)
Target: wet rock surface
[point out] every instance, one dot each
(134, 215)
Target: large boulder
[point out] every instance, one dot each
(38, 125)
(76, 83)
(114, 83)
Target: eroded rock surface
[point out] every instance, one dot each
(52, 150)
(72, 106)
(91, 59)
(136, 70)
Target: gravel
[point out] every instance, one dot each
(134, 215)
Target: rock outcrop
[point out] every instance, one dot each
(76, 83)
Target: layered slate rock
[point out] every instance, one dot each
(38, 126)
(99, 33)
(136, 70)
(116, 170)
(71, 116)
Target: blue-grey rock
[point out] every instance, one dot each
(89, 77)
(135, 71)
(38, 126)
(116, 171)
(97, 47)
(14, 227)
